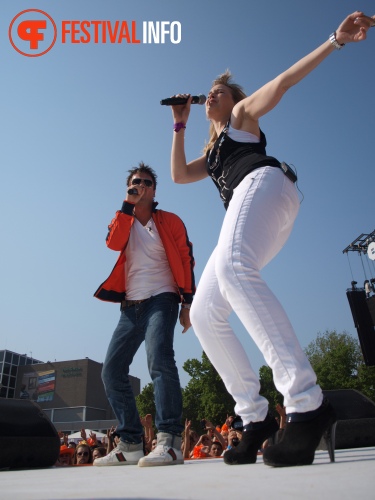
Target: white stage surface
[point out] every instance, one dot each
(352, 477)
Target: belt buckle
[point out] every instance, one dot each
(134, 302)
(129, 303)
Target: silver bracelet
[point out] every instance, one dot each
(335, 43)
(185, 306)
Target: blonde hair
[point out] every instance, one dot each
(237, 94)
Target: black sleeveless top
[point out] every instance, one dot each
(229, 161)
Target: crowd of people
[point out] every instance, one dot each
(211, 442)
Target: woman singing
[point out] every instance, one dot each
(261, 199)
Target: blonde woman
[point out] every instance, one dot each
(261, 199)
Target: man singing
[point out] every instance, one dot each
(152, 275)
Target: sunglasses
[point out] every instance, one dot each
(137, 182)
(83, 453)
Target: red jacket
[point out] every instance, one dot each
(178, 249)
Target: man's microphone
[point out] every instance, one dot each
(171, 101)
(132, 191)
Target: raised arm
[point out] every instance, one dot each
(250, 109)
(186, 450)
(182, 172)
(217, 434)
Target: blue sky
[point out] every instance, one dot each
(74, 120)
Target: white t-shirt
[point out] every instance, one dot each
(241, 135)
(147, 268)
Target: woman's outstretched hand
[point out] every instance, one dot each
(354, 28)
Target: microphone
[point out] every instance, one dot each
(170, 101)
(132, 191)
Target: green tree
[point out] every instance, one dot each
(205, 396)
(338, 363)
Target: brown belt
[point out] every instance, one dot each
(129, 303)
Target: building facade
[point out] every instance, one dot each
(9, 363)
(71, 393)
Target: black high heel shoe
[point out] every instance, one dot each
(301, 437)
(253, 435)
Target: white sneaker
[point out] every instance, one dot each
(167, 452)
(162, 455)
(123, 454)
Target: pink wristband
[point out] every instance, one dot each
(178, 126)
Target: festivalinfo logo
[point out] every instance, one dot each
(33, 32)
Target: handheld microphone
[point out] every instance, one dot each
(132, 191)
(197, 99)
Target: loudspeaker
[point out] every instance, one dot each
(363, 323)
(355, 419)
(27, 437)
(371, 307)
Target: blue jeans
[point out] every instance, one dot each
(152, 321)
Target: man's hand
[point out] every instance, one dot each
(282, 412)
(185, 319)
(93, 437)
(187, 425)
(148, 420)
(110, 432)
(135, 198)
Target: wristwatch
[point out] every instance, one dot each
(335, 43)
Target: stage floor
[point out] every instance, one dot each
(352, 476)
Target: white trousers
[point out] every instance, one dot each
(257, 224)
